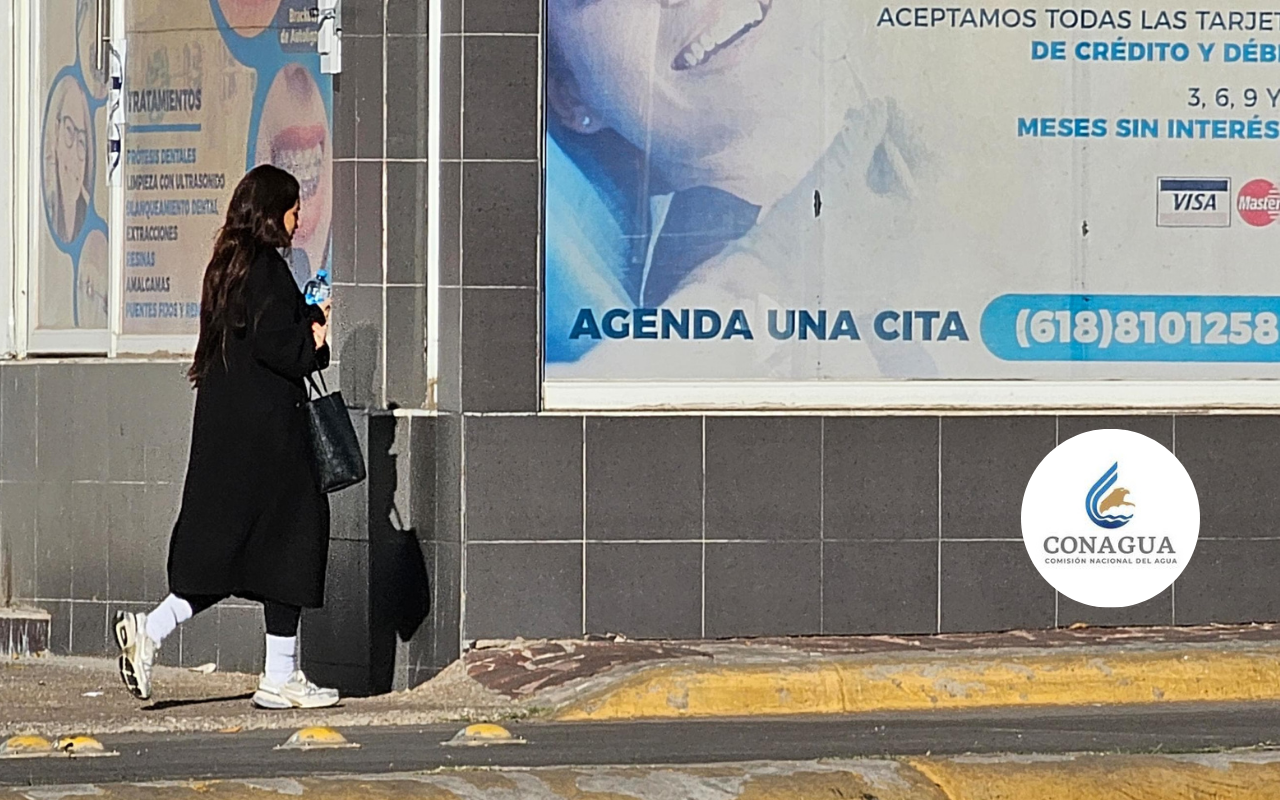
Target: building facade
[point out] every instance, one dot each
(502, 501)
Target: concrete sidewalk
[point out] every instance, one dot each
(613, 679)
(57, 696)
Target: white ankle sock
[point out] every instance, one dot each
(282, 654)
(172, 612)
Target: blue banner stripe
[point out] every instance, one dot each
(193, 127)
(1194, 186)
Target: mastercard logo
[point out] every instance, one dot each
(1259, 203)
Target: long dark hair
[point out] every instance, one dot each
(255, 222)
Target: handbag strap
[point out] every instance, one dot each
(323, 385)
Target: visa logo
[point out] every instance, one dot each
(1193, 203)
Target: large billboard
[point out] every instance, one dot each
(806, 190)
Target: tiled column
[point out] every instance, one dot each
(372, 634)
(489, 301)
(490, 206)
(380, 204)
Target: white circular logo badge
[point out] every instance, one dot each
(1110, 518)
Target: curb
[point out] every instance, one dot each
(941, 681)
(1221, 776)
(1253, 775)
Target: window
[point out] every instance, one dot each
(101, 266)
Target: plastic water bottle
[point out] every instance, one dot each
(318, 289)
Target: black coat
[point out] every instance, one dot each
(253, 521)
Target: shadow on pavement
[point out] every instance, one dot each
(170, 704)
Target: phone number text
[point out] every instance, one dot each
(1132, 328)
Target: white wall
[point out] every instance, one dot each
(8, 187)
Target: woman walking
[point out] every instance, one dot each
(253, 522)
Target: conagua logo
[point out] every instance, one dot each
(1137, 530)
(1102, 498)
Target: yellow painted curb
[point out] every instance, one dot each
(937, 682)
(1245, 776)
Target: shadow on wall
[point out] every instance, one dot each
(399, 589)
(360, 355)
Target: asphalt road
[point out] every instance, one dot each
(149, 757)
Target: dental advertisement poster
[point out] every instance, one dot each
(72, 264)
(214, 88)
(839, 190)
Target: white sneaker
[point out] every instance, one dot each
(137, 653)
(297, 692)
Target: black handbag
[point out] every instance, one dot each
(335, 449)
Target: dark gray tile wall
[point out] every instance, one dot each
(880, 478)
(644, 589)
(1156, 611)
(1228, 580)
(758, 588)
(500, 222)
(762, 479)
(76, 510)
(641, 556)
(490, 207)
(523, 478)
(984, 460)
(380, 219)
(522, 589)
(387, 526)
(992, 585)
(1230, 459)
(644, 478)
(18, 542)
(381, 623)
(406, 16)
(86, 547)
(499, 349)
(877, 586)
(879, 550)
(88, 539)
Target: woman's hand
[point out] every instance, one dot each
(320, 333)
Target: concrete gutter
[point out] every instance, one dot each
(1228, 776)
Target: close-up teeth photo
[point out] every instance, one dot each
(734, 20)
(303, 163)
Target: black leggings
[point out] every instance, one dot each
(282, 620)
